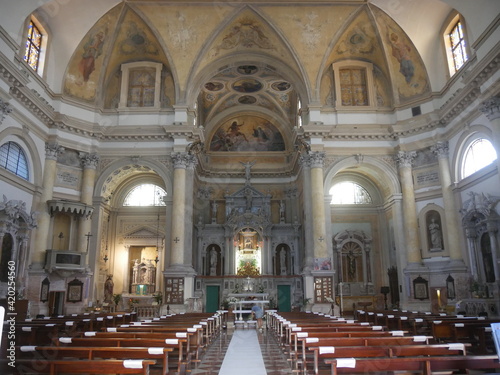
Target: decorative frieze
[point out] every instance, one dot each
(491, 108)
(5, 110)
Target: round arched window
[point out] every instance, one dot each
(479, 154)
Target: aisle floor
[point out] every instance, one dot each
(236, 351)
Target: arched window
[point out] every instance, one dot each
(36, 44)
(354, 84)
(13, 159)
(145, 195)
(456, 44)
(479, 154)
(348, 192)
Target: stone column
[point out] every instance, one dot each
(318, 208)
(491, 109)
(492, 228)
(405, 160)
(305, 161)
(180, 211)
(471, 235)
(89, 162)
(453, 235)
(52, 150)
(191, 162)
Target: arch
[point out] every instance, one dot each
(102, 189)
(29, 147)
(199, 77)
(475, 132)
(375, 169)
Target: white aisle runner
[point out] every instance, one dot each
(243, 356)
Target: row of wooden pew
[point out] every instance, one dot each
(165, 345)
(323, 344)
(444, 328)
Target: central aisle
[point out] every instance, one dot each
(244, 356)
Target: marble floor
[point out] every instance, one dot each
(226, 355)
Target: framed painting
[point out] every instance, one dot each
(420, 288)
(74, 293)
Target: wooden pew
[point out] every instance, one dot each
(107, 366)
(91, 353)
(179, 355)
(424, 365)
(323, 353)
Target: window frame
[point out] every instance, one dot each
(136, 186)
(22, 153)
(43, 45)
(126, 70)
(453, 20)
(464, 150)
(370, 86)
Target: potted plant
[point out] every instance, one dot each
(116, 299)
(158, 298)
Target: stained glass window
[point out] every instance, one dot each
(145, 195)
(13, 159)
(458, 50)
(353, 87)
(478, 155)
(33, 46)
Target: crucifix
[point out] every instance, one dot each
(176, 239)
(321, 239)
(88, 235)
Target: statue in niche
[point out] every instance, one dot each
(282, 211)
(214, 211)
(283, 261)
(248, 196)
(213, 262)
(351, 264)
(108, 289)
(436, 236)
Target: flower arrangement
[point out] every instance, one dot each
(158, 297)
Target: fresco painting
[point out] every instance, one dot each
(247, 134)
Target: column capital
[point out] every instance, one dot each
(405, 159)
(441, 150)
(89, 160)
(183, 160)
(53, 150)
(317, 159)
(491, 108)
(5, 110)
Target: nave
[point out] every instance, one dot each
(242, 352)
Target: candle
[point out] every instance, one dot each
(439, 297)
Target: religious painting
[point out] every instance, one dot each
(74, 291)
(247, 133)
(420, 288)
(322, 264)
(247, 85)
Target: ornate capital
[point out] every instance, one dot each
(184, 160)
(5, 109)
(53, 150)
(305, 161)
(317, 159)
(89, 160)
(405, 159)
(441, 150)
(491, 108)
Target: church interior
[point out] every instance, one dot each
(167, 156)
